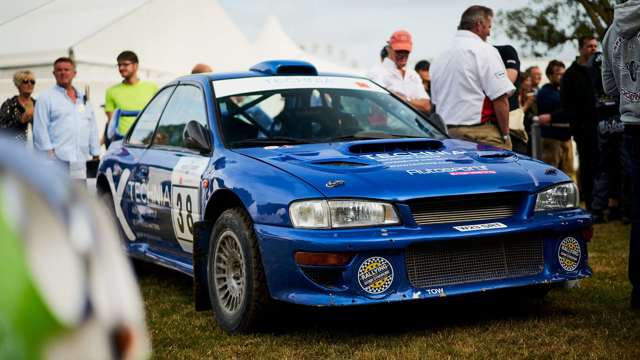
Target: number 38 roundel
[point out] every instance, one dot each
(185, 198)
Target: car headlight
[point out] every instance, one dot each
(559, 197)
(326, 214)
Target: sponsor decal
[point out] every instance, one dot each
(413, 154)
(475, 227)
(185, 198)
(477, 172)
(143, 193)
(117, 191)
(438, 291)
(499, 74)
(375, 275)
(455, 170)
(569, 254)
(334, 183)
(229, 87)
(403, 159)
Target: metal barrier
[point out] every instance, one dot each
(536, 137)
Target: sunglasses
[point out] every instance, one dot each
(29, 81)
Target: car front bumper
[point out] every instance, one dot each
(390, 246)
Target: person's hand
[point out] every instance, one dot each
(51, 154)
(401, 96)
(529, 99)
(29, 111)
(28, 115)
(544, 119)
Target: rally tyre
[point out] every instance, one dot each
(235, 276)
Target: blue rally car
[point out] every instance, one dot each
(327, 190)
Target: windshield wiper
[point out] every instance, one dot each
(275, 140)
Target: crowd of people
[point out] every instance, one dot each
(480, 94)
(475, 91)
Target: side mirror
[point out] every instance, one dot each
(113, 133)
(196, 137)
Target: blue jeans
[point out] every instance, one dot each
(632, 144)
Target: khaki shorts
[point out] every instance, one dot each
(485, 134)
(558, 153)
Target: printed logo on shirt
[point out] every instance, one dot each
(618, 43)
(499, 74)
(632, 68)
(630, 96)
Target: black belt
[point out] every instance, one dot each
(459, 126)
(632, 128)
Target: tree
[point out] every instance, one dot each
(549, 24)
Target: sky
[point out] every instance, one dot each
(348, 32)
(356, 30)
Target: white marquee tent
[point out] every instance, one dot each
(169, 36)
(274, 43)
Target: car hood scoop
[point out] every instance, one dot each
(394, 146)
(396, 170)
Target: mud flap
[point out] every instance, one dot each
(202, 234)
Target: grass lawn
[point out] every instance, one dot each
(591, 321)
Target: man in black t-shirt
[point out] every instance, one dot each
(578, 101)
(517, 132)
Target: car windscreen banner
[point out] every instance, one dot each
(230, 87)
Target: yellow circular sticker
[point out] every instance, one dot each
(375, 275)
(569, 254)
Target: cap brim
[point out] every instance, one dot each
(401, 47)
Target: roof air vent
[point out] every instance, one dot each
(285, 67)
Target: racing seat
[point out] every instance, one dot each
(237, 129)
(314, 122)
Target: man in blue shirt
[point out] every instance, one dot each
(64, 124)
(557, 149)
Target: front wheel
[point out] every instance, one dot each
(235, 277)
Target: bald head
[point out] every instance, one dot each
(201, 68)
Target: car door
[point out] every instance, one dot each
(174, 173)
(130, 189)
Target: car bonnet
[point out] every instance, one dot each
(402, 169)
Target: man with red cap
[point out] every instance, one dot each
(394, 75)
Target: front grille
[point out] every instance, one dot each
(467, 261)
(457, 209)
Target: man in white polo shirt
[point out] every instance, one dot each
(394, 75)
(469, 84)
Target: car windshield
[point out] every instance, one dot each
(313, 110)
